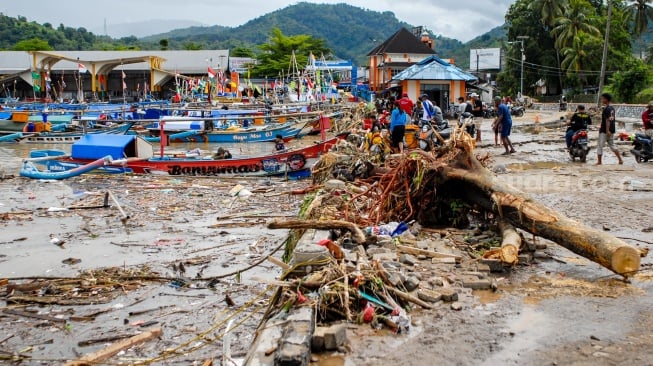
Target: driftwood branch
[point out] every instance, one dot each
(357, 234)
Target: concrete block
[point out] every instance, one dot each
(443, 260)
(385, 257)
(476, 283)
(374, 251)
(482, 267)
(292, 355)
(408, 260)
(449, 294)
(411, 283)
(525, 259)
(429, 296)
(317, 342)
(335, 336)
(436, 281)
(494, 264)
(303, 314)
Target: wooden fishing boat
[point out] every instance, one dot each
(135, 155)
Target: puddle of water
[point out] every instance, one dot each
(487, 297)
(548, 165)
(528, 328)
(330, 361)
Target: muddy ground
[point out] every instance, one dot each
(561, 310)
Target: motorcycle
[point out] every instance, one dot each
(427, 137)
(643, 148)
(489, 113)
(517, 111)
(580, 146)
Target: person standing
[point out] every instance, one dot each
(464, 107)
(406, 104)
(504, 121)
(647, 119)
(428, 110)
(477, 111)
(608, 129)
(398, 127)
(579, 121)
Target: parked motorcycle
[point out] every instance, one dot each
(580, 146)
(427, 137)
(489, 112)
(517, 111)
(643, 148)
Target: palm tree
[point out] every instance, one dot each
(549, 10)
(574, 58)
(575, 22)
(640, 13)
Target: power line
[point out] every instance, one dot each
(552, 69)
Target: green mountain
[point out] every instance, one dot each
(351, 32)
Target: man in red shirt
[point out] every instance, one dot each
(647, 117)
(406, 104)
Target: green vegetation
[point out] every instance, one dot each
(565, 42)
(276, 54)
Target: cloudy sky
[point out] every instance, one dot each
(463, 20)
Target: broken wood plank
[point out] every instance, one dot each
(410, 298)
(113, 338)
(280, 263)
(357, 234)
(27, 314)
(429, 253)
(112, 350)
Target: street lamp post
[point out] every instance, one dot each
(521, 40)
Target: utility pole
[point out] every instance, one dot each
(604, 62)
(521, 40)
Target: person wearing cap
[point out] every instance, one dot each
(647, 117)
(579, 121)
(503, 125)
(406, 104)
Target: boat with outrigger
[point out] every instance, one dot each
(131, 154)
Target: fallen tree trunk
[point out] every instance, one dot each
(357, 234)
(510, 244)
(518, 209)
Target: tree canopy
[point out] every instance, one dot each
(276, 54)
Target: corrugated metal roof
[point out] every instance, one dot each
(434, 68)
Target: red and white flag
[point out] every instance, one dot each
(81, 68)
(212, 73)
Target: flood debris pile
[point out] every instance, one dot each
(369, 251)
(90, 287)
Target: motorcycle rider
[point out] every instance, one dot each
(647, 119)
(579, 121)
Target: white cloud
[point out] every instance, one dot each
(463, 20)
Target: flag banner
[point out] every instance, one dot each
(81, 68)
(235, 79)
(36, 81)
(212, 73)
